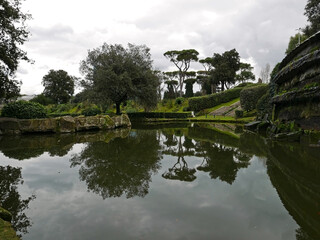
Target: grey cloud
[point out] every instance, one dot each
(248, 26)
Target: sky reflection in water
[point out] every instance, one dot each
(177, 182)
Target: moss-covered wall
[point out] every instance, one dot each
(297, 95)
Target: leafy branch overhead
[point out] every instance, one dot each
(13, 34)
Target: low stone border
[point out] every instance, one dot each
(66, 124)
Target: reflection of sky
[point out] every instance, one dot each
(204, 209)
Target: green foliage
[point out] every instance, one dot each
(82, 96)
(13, 34)
(312, 11)
(239, 113)
(249, 96)
(245, 73)
(275, 71)
(225, 67)
(58, 86)
(264, 107)
(24, 110)
(91, 111)
(158, 115)
(182, 60)
(245, 84)
(179, 100)
(114, 73)
(294, 41)
(209, 101)
(42, 99)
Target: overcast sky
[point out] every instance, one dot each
(62, 31)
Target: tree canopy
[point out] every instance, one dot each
(225, 67)
(12, 35)
(245, 72)
(58, 86)
(312, 12)
(182, 60)
(120, 167)
(116, 74)
(295, 41)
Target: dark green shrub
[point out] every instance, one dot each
(186, 109)
(264, 107)
(179, 100)
(198, 94)
(249, 96)
(209, 101)
(53, 115)
(64, 107)
(91, 111)
(24, 110)
(245, 84)
(239, 113)
(42, 99)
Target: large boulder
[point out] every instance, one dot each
(67, 124)
(122, 121)
(94, 122)
(38, 125)
(9, 126)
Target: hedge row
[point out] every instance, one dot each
(249, 96)
(24, 110)
(264, 107)
(209, 101)
(158, 115)
(53, 115)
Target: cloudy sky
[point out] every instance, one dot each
(62, 31)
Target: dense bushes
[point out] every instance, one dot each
(91, 111)
(209, 101)
(24, 110)
(264, 107)
(249, 96)
(239, 113)
(158, 115)
(42, 99)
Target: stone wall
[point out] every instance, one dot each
(66, 124)
(297, 86)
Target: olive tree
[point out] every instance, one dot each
(115, 74)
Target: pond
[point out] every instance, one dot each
(181, 181)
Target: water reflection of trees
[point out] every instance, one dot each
(222, 162)
(10, 199)
(219, 160)
(122, 166)
(34, 145)
(294, 171)
(180, 170)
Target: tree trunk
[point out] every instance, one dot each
(118, 108)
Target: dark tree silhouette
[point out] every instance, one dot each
(10, 199)
(120, 167)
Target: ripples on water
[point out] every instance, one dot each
(182, 181)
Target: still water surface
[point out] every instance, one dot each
(171, 182)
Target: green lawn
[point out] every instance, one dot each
(224, 118)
